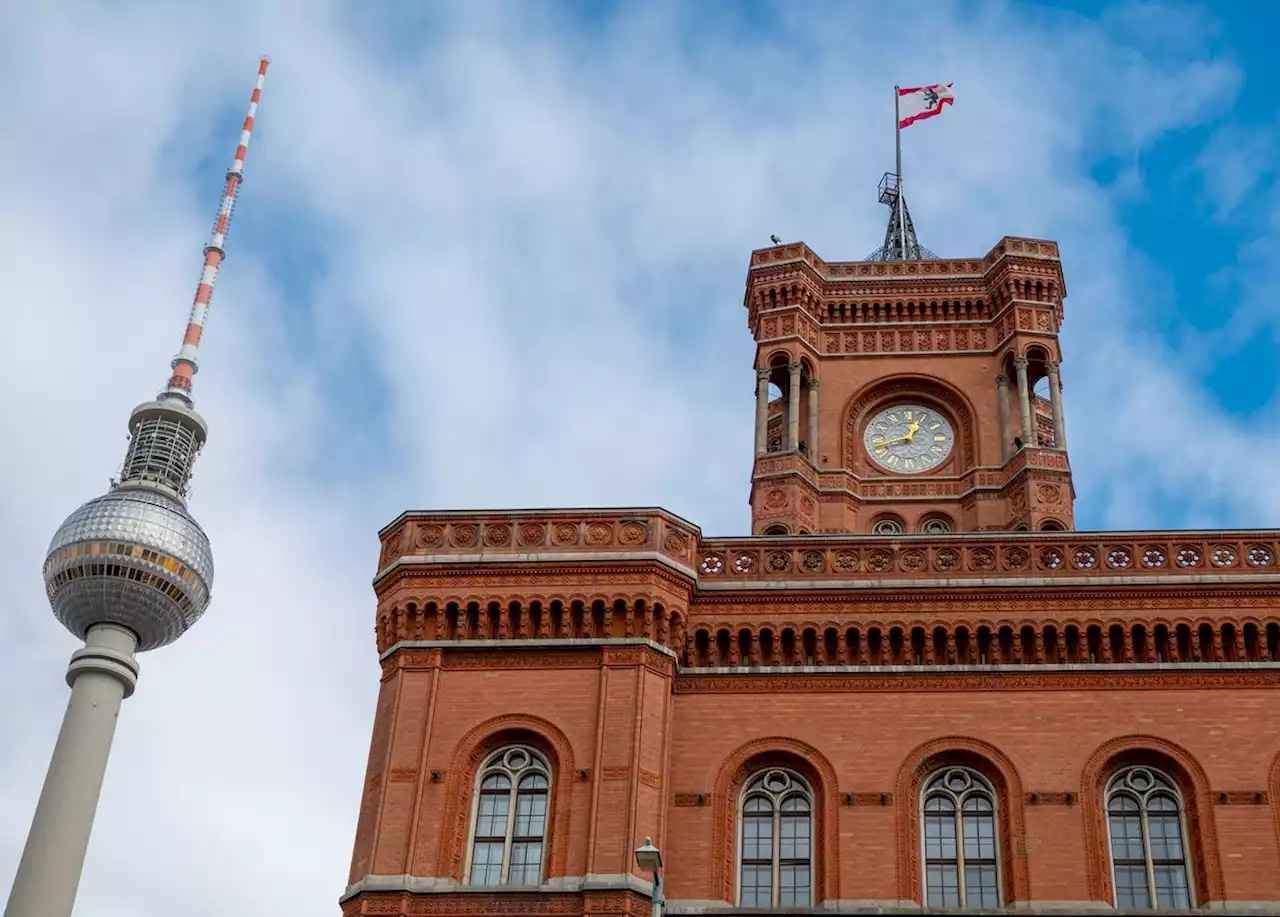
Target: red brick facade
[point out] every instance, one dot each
(657, 673)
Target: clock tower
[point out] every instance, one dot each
(918, 395)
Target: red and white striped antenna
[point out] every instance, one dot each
(184, 364)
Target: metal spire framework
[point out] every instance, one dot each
(900, 242)
(128, 571)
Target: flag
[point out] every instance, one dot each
(923, 102)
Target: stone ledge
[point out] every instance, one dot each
(528, 643)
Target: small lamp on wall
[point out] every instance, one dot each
(649, 859)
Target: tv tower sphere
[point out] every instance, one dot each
(126, 572)
(135, 556)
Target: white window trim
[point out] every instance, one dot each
(813, 838)
(492, 764)
(1187, 861)
(995, 816)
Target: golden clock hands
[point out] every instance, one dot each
(910, 434)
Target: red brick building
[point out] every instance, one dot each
(915, 684)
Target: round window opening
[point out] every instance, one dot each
(886, 527)
(776, 782)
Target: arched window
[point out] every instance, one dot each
(1148, 857)
(887, 525)
(936, 525)
(509, 818)
(961, 850)
(776, 850)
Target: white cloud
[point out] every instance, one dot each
(534, 245)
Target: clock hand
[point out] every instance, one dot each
(910, 434)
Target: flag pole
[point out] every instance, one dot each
(897, 139)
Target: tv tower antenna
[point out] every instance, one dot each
(129, 571)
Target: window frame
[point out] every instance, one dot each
(1116, 784)
(496, 764)
(888, 525)
(942, 525)
(754, 785)
(979, 783)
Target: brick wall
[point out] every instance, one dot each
(635, 746)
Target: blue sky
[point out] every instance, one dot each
(493, 255)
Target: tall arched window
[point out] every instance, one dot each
(1148, 857)
(509, 818)
(776, 831)
(961, 848)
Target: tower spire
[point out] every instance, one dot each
(900, 242)
(184, 364)
(128, 571)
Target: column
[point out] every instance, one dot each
(101, 675)
(762, 411)
(1024, 403)
(813, 422)
(1055, 401)
(1002, 408)
(793, 407)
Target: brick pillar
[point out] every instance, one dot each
(394, 782)
(631, 787)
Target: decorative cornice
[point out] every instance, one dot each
(990, 560)
(1008, 247)
(522, 543)
(583, 643)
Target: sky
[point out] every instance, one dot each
(492, 255)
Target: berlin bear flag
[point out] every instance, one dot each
(923, 102)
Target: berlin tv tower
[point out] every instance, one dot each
(127, 572)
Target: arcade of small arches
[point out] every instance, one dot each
(923, 643)
(1004, 643)
(536, 619)
(956, 806)
(843, 310)
(912, 310)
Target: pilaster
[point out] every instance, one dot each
(633, 739)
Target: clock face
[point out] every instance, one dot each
(909, 439)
